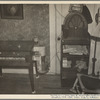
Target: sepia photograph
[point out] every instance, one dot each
(50, 48)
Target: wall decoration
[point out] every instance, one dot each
(12, 11)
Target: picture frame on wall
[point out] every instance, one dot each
(12, 11)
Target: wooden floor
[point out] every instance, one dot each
(20, 84)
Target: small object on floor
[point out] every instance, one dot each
(33, 92)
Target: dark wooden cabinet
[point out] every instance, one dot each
(68, 70)
(75, 46)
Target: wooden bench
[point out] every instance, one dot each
(17, 54)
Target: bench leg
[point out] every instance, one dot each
(31, 75)
(0, 71)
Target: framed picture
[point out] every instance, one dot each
(12, 11)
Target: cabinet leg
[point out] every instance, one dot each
(31, 75)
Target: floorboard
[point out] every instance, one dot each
(20, 84)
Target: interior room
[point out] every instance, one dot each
(49, 48)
